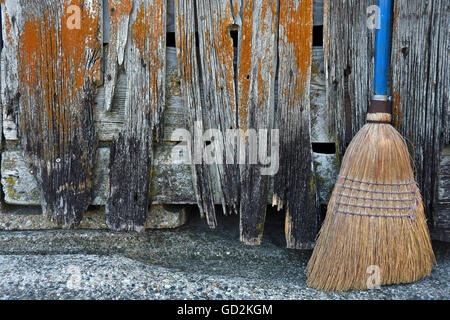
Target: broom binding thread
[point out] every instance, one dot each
(411, 216)
(378, 183)
(410, 208)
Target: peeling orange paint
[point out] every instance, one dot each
(296, 24)
(55, 64)
(396, 113)
(58, 67)
(225, 50)
(146, 32)
(244, 74)
(118, 8)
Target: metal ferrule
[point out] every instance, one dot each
(381, 97)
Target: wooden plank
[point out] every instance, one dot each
(326, 169)
(1, 80)
(294, 186)
(420, 82)
(190, 87)
(349, 48)
(237, 5)
(109, 124)
(106, 25)
(441, 217)
(49, 42)
(320, 117)
(256, 86)
(215, 21)
(2, 198)
(171, 183)
(171, 15)
(444, 166)
(131, 154)
(118, 15)
(442, 221)
(318, 12)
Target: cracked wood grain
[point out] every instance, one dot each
(294, 187)
(172, 182)
(189, 72)
(131, 153)
(349, 50)
(119, 15)
(215, 21)
(51, 67)
(420, 91)
(256, 87)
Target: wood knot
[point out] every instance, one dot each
(405, 51)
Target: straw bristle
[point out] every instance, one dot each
(362, 231)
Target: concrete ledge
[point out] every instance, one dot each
(160, 216)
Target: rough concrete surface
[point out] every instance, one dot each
(191, 262)
(160, 216)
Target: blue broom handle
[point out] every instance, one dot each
(382, 48)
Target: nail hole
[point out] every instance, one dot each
(405, 52)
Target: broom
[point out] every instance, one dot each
(375, 231)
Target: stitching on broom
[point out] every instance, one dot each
(371, 207)
(374, 199)
(411, 216)
(383, 192)
(378, 183)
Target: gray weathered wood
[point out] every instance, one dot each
(1, 99)
(131, 154)
(318, 12)
(294, 186)
(171, 183)
(320, 117)
(117, 15)
(109, 124)
(420, 89)
(349, 48)
(420, 79)
(444, 176)
(48, 43)
(317, 7)
(190, 87)
(441, 217)
(215, 21)
(257, 63)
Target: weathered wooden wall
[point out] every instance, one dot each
(420, 89)
(51, 70)
(237, 64)
(419, 83)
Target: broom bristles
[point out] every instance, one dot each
(375, 220)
